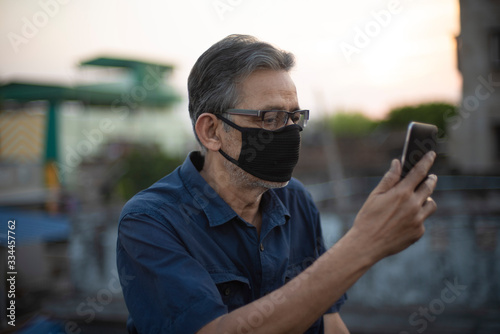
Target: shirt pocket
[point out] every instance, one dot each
(234, 289)
(292, 271)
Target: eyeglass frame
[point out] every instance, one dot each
(261, 113)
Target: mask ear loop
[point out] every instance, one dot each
(228, 122)
(225, 155)
(237, 127)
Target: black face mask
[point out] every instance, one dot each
(268, 155)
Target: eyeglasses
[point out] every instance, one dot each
(274, 119)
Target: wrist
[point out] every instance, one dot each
(361, 247)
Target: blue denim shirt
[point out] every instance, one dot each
(185, 257)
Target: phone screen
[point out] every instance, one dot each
(420, 139)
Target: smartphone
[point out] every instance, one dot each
(420, 139)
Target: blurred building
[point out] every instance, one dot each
(60, 150)
(475, 132)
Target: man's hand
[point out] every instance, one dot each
(393, 215)
(334, 324)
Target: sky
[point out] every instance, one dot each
(360, 55)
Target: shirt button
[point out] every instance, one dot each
(227, 291)
(261, 247)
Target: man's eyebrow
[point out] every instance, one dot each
(276, 107)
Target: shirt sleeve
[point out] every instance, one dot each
(165, 289)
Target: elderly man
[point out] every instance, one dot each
(229, 242)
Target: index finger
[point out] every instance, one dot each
(418, 173)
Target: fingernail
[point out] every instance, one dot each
(393, 163)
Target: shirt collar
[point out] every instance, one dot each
(274, 212)
(216, 209)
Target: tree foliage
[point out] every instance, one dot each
(144, 165)
(433, 113)
(357, 124)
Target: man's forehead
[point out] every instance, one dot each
(268, 90)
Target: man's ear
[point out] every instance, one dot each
(207, 128)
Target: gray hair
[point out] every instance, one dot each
(213, 81)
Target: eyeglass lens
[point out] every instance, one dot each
(276, 119)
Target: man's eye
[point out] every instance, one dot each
(270, 119)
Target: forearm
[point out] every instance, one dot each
(294, 307)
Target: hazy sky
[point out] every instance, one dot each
(366, 55)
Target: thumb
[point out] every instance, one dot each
(390, 178)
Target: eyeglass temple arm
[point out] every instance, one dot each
(244, 112)
(259, 112)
